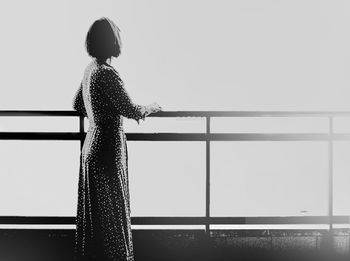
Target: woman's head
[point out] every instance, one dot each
(103, 39)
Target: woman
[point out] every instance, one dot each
(103, 216)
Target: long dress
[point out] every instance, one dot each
(103, 224)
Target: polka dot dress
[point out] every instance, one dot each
(103, 216)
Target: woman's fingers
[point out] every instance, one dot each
(155, 107)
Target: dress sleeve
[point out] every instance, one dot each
(78, 102)
(120, 98)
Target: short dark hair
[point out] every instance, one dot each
(103, 40)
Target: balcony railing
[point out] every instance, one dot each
(206, 137)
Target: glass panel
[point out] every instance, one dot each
(36, 227)
(341, 226)
(39, 124)
(269, 125)
(341, 124)
(269, 227)
(170, 227)
(167, 178)
(39, 178)
(155, 124)
(269, 178)
(341, 183)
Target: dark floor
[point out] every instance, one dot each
(153, 245)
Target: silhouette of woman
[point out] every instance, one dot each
(103, 226)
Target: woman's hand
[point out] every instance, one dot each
(153, 108)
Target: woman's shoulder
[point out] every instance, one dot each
(109, 72)
(106, 73)
(109, 69)
(105, 68)
(101, 69)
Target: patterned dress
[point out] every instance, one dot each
(103, 225)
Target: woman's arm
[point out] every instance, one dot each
(78, 102)
(121, 100)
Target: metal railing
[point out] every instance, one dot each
(206, 137)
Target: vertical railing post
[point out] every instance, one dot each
(330, 174)
(207, 183)
(81, 131)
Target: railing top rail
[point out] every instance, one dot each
(192, 113)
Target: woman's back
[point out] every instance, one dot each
(99, 83)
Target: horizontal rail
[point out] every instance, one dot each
(40, 136)
(292, 220)
(182, 136)
(39, 113)
(193, 113)
(237, 136)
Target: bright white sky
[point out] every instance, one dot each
(198, 55)
(186, 55)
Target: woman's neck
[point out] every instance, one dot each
(106, 61)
